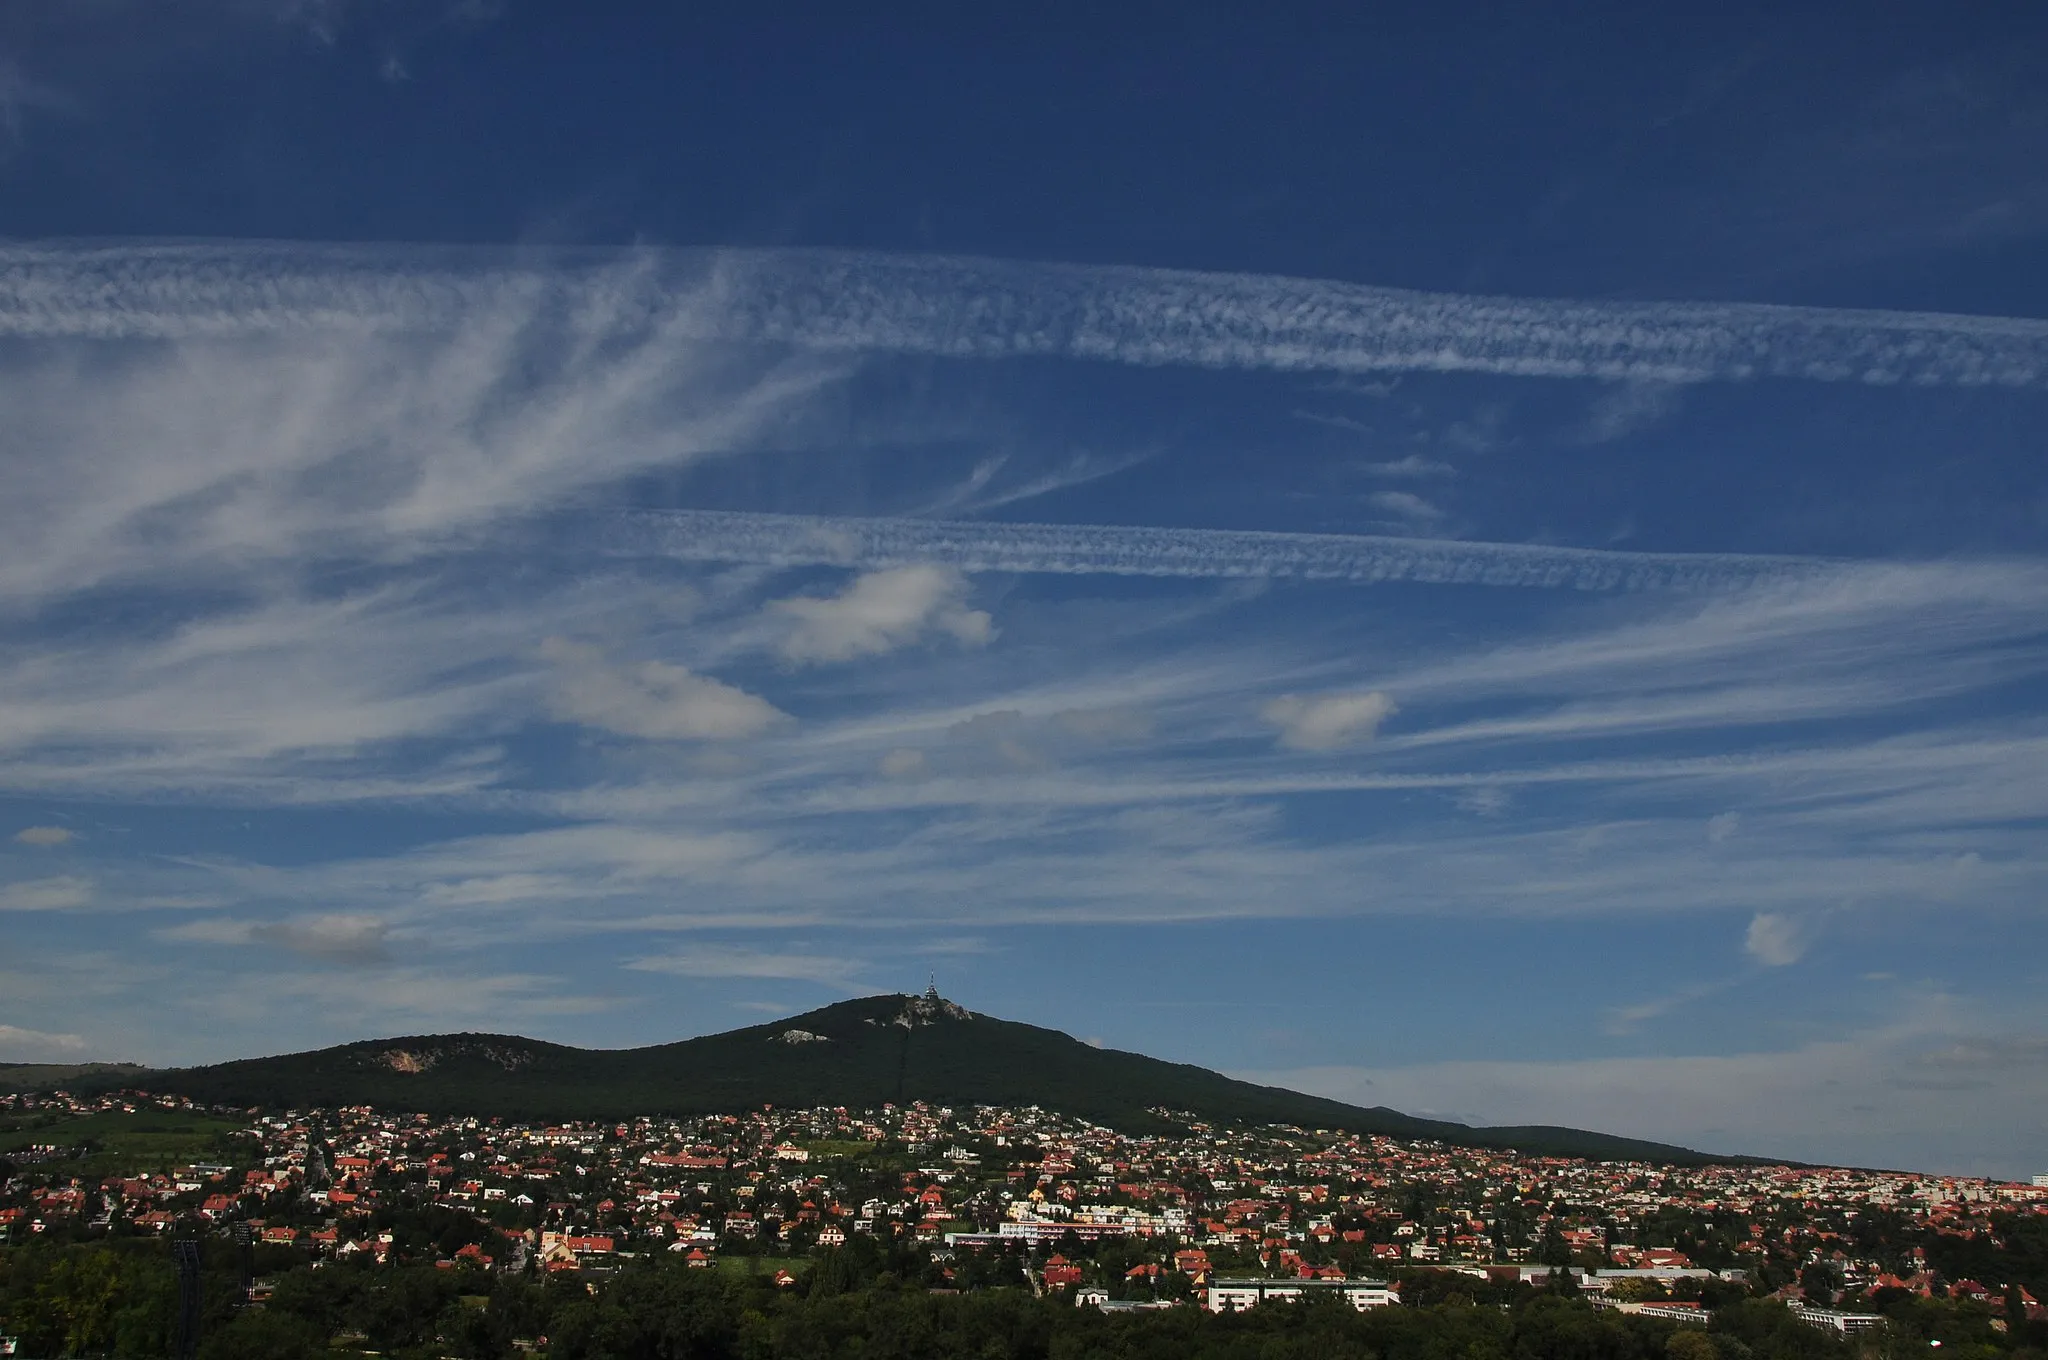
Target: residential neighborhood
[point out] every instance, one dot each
(1225, 1217)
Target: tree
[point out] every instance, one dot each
(1690, 1343)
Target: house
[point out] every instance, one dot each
(574, 1245)
(1059, 1272)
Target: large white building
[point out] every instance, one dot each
(1228, 1296)
(1844, 1323)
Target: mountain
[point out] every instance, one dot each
(860, 1054)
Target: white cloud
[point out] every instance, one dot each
(44, 835)
(339, 937)
(1485, 800)
(718, 961)
(1011, 739)
(199, 460)
(905, 762)
(1775, 940)
(1723, 825)
(652, 698)
(1326, 721)
(1115, 724)
(880, 611)
(1909, 1096)
(1407, 505)
(29, 1045)
(63, 893)
(1003, 739)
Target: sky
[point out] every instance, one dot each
(1486, 560)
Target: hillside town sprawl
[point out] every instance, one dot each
(1000, 1194)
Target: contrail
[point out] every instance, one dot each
(990, 309)
(1114, 550)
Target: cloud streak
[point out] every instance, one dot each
(992, 309)
(1129, 550)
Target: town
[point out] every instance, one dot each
(987, 1197)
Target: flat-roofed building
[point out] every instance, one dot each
(1231, 1295)
(1832, 1318)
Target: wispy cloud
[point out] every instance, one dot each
(182, 465)
(1006, 309)
(1629, 408)
(65, 892)
(1930, 1092)
(44, 836)
(653, 699)
(338, 937)
(713, 961)
(1412, 466)
(1123, 550)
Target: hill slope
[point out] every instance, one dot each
(43, 1076)
(861, 1054)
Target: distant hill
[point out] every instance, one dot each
(860, 1054)
(43, 1076)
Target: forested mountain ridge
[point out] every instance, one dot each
(861, 1053)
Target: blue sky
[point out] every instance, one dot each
(1485, 563)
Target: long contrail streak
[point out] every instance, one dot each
(989, 309)
(1116, 550)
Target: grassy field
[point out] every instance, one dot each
(837, 1147)
(148, 1140)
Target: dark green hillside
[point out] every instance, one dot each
(42, 1076)
(861, 1053)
